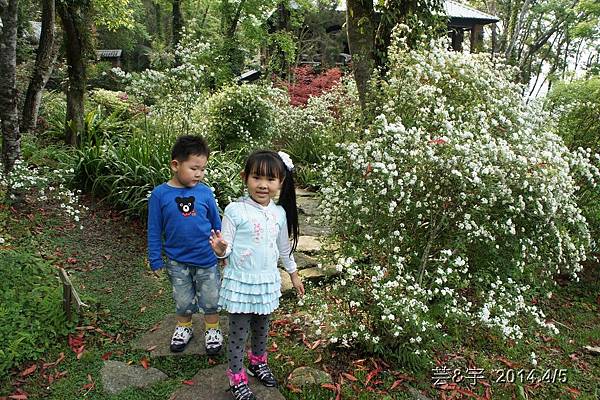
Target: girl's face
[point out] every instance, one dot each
(262, 188)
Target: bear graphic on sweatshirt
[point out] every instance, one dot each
(186, 205)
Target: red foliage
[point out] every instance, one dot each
(309, 83)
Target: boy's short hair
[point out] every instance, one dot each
(189, 145)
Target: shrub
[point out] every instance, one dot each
(30, 309)
(240, 116)
(308, 83)
(576, 106)
(457, 208)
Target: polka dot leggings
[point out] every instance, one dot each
(239, 327)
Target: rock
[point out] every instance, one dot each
(304, 261)
(286, 282)
(212, 383)
(318, 272)
(160, 339)
(304, 193)
(417, 395)
(308, 206)
(308, 244)
(309, 227)
(592, 350)
(118, 376)
(303, 376)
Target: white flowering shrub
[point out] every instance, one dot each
(173, 93)
(51, 185)
(240, 116)
(454, 211)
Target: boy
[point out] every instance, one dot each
(181, 214)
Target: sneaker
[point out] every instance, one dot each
(242, 392)
(181, 338)
(213, 341)
(263, 373)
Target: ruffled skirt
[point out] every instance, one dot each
(250, 292)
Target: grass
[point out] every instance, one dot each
(106, 261)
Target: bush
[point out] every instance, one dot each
(576, 106)
(30, 309)
(240, 117)
(456, 210)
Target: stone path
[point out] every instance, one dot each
(211, 383)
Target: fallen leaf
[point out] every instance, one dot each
(28, 371)
(212, 361)
(155, 327)
(396, 384)
(573, 391)
(144, 362)
(151, 348)
(18, 397)
(319, 359)
(315, 344)
(107, 256)
(349, 377)
(189, 382)
(371, 375)
(142, 309)
(505, 361)
(293, 388)
(72, 260)
(106, 355)
(329, 386)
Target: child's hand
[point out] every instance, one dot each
(218, 244)
(297, 283)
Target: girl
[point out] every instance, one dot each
(254, 235)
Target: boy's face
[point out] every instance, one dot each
(190, 172)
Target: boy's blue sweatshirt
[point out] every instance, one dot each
(179, 222)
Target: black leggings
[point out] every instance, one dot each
(239, 326)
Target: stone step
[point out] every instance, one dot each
(118, 376)
(212, 384)
(160, 339)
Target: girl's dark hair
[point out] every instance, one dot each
(268, 163)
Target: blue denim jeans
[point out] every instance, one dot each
(194, 288)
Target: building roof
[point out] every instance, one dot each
(457, 12)
(109, 53)
(464, 15)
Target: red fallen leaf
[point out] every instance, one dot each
(368, 170)
(329, 386)
(28, 371)
(293, 388)
(18, 397)
(61, 357)
(574, 392)
(72, 260)
(144, 362)
(189, 382)
(151, 348)
(273, 348)
(106, 355)
(319, 359)
(349, 377)
(87, 386)
(80, 352)
(371, 375)
(505, 361)
(212, 361)
(338, 389)
(396, 384)
(437, 141)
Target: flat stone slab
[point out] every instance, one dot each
(304, 261)
(118, 376)
(308, 244)
(303, 376)
(304, 193)
(318, 272)
(160, 339)
(310, 227)
(212, 383)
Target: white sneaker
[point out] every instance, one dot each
(213, 341)
(181, 338)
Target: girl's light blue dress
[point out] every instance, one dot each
(251, 280)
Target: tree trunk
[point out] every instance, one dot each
(74, 29)
(11, 146)
(44, 61)
(361, 35)
(177, 23)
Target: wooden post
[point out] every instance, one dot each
(69, 294)
(476, 38)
